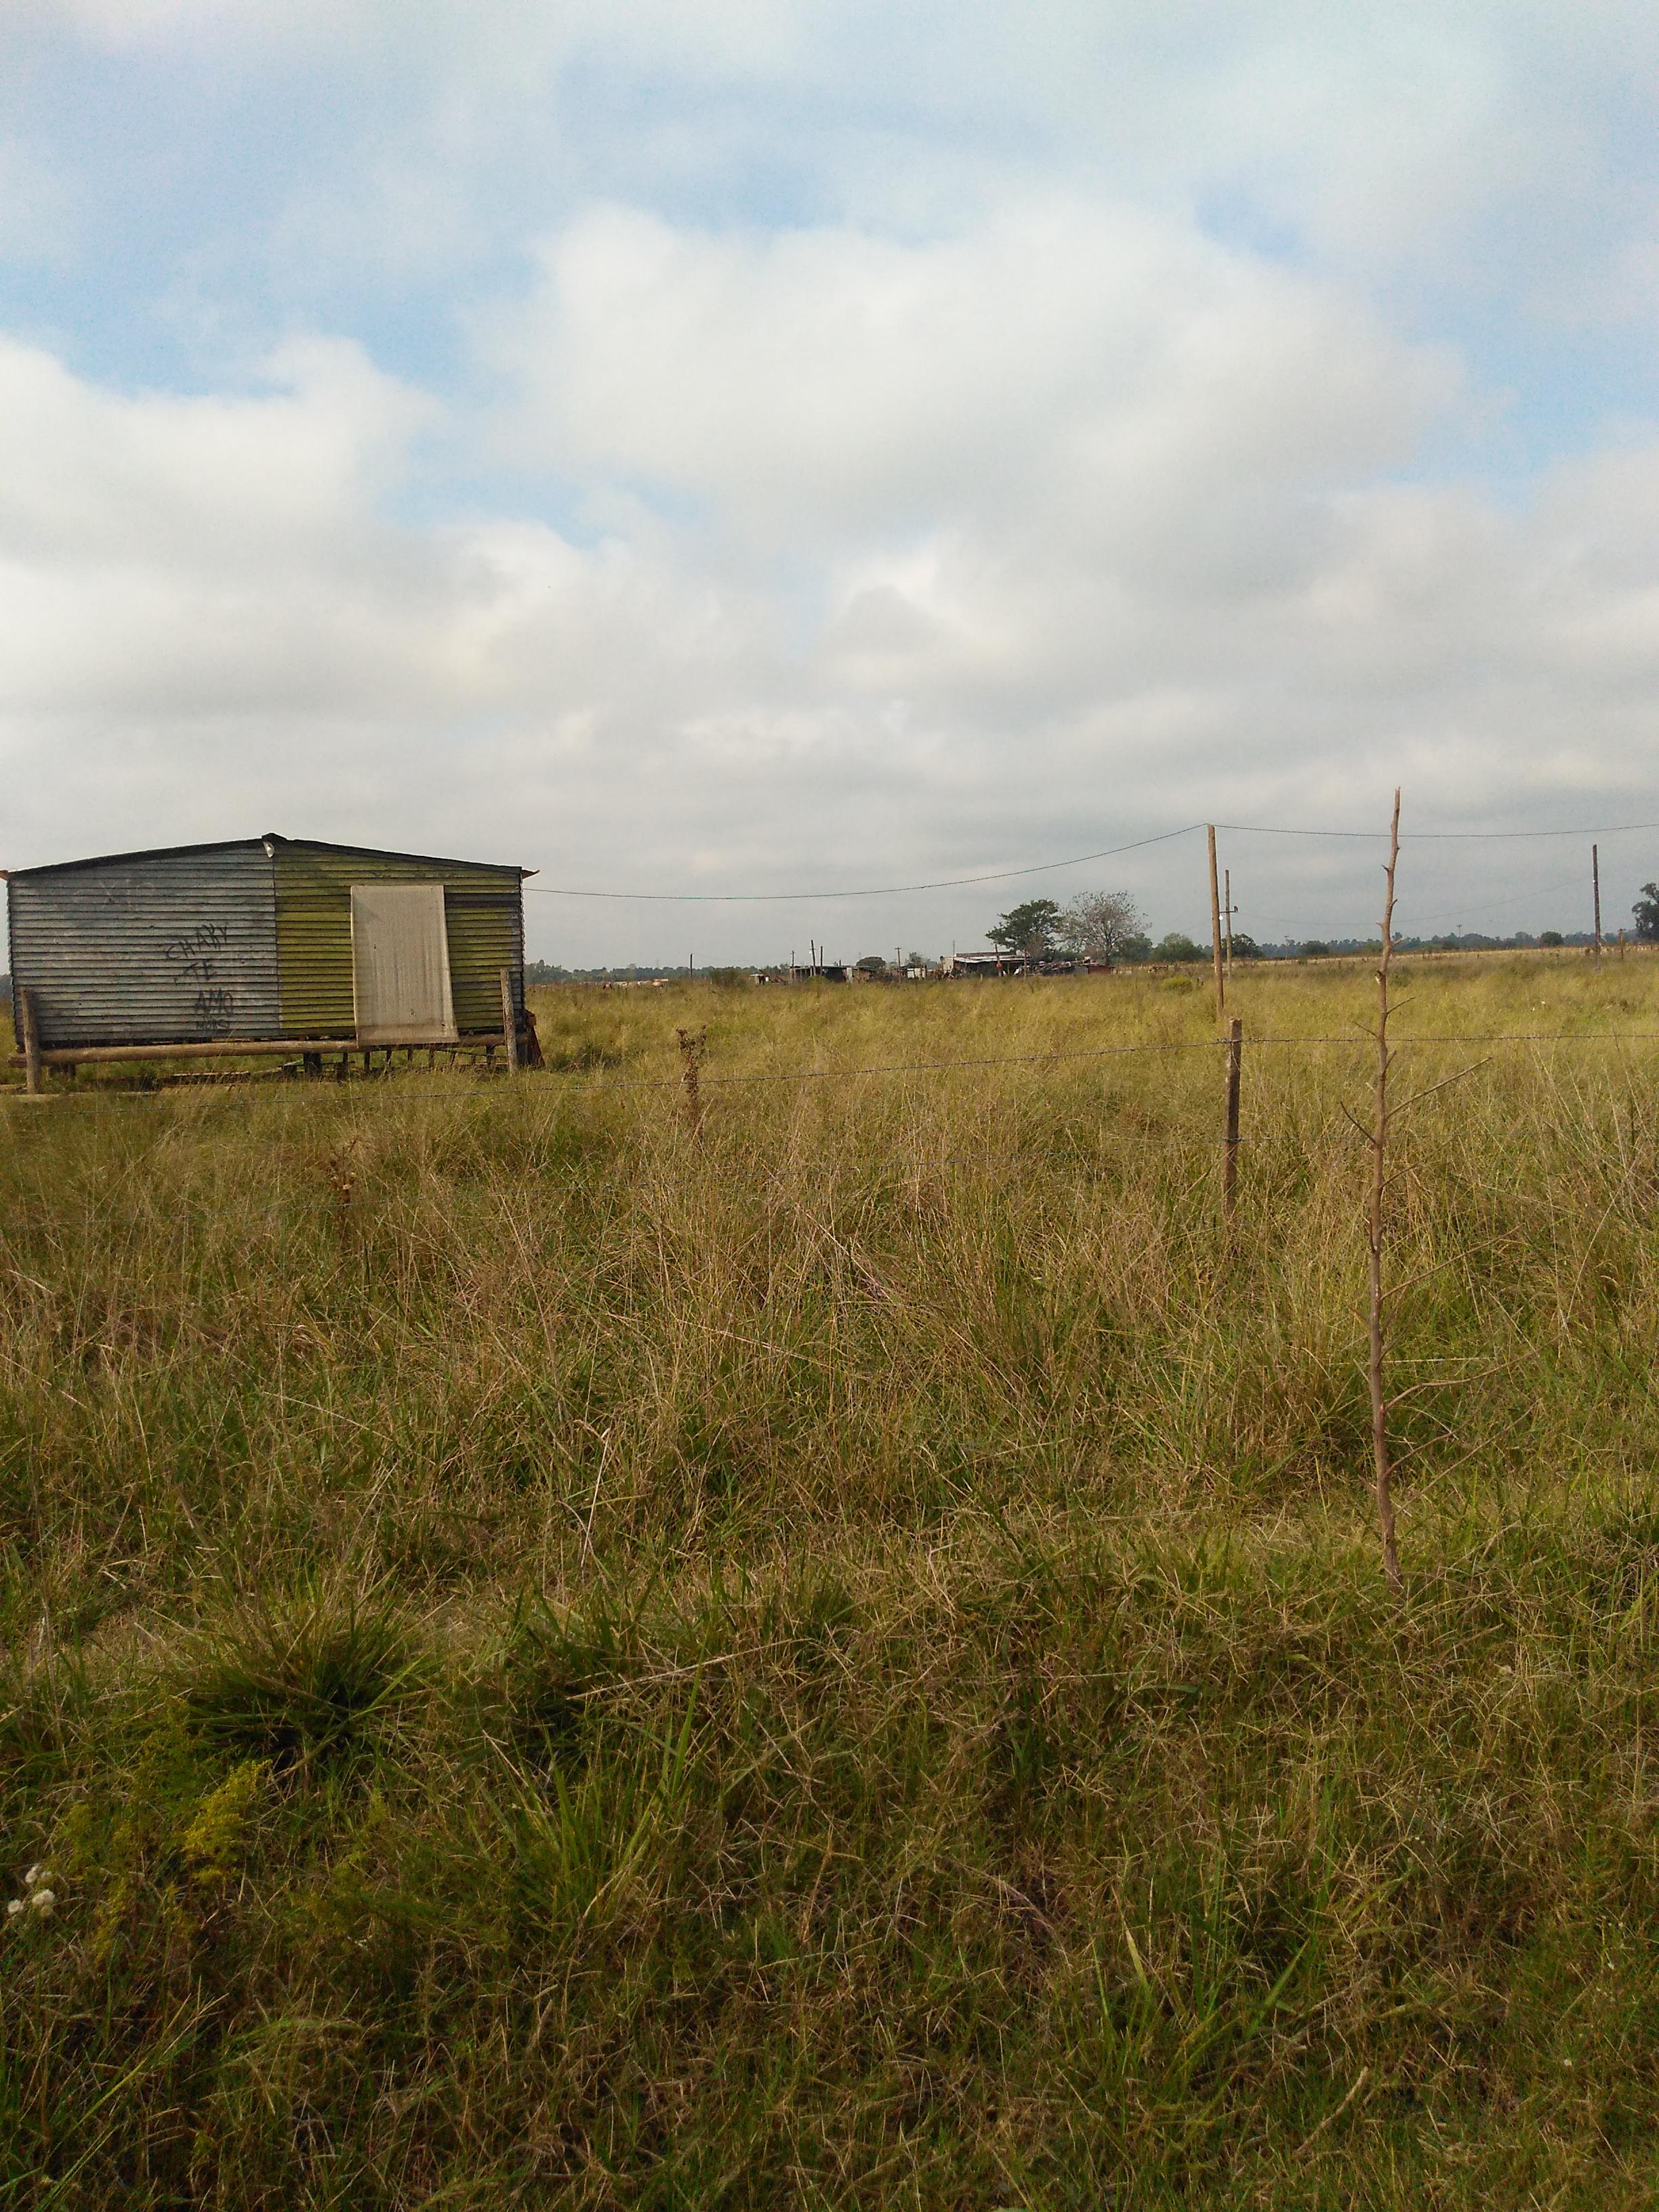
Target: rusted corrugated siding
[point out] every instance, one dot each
(148, 948)
(486, 935)
(484, 914)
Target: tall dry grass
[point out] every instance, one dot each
(838, 1656)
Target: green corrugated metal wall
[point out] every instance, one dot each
(484, 910)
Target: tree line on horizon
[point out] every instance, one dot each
(1107, 927)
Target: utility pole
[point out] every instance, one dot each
(1227, 916)
(1215, 931)
(1595, 893)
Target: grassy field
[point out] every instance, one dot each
(839, 1658)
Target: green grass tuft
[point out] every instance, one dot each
(304, 1681)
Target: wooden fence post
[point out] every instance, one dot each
(509, 1022)
(692, 1045)
(24, 1001)
(1229, 1157)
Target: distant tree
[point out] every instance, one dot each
(916, 960)
(1551, 938)
(1314, 949)
(1177, 945)
(870, 964)
(1646, 911)
(1099, 925)
(1028, 928)
(1245, 948)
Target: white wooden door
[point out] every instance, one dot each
(400, 964)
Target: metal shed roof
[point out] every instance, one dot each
(268, 843)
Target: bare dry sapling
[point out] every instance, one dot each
(1375, 1225)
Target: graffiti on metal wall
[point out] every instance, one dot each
(196, 957)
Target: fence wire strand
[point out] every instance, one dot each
(479, 1080)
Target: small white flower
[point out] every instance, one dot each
(35, 1874)
(42, 1901)
(14, 1908)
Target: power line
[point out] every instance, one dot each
(878, 890)
(1076, 860)
(1421, 836)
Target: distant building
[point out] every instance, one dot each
(987, 963)
(1011, 964)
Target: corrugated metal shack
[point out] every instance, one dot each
(266, 942)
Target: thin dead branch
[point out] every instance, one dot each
(1430, 1088)
(1375, 1223)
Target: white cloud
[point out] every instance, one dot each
(1432, 140)
(154, 476)
(475, 42)
(1090, 367)
(992, 546)
(977, 431)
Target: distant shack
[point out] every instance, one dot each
(263, 943)
(1020, 963)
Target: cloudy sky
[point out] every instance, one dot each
(712, 445)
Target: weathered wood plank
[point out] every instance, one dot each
(215, 1049)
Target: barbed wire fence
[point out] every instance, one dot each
(698, 1077)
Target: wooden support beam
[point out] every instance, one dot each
(218, 1048)
(509, 1023)
(31, 1054)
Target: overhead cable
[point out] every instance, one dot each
(876, 890)
(1421, 836)
(1051, 867)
